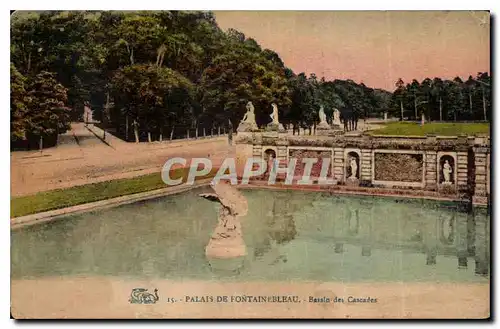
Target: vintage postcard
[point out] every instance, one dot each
(250, 164)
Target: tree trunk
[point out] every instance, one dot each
(172, 133)
(204, 134)
(470, 102)
(126, 127)
(105, 118)
(161, 134)
(416, 114)
(218, 131)
(484, 105)
(188, 134)
(149, 137)
(402, 112)
(440, 109)
(136, 131)
(29, 62)
(196, 133)
(40, 143)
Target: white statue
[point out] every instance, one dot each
(270, 164)
(354, 168)
(226, 240)
(248, 122)
(322, 116)
(275, 125)
(274, 115)
(447, 170)
(323, 124)
(336, 117)
(249, 116)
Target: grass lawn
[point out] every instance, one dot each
(437, 128)
(44, 201)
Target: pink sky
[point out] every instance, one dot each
(374, 47)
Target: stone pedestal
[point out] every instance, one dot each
(323, 131)
(228, 266)
(247, 127)
(226, 248)
(447, 188)
(352, 182)
(275, 127)
(323, 126)
(328, 131)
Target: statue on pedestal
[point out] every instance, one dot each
(227, 241)
(274, 114)
(336, 118)
(248, 122)
(323, 124)
(275, 125)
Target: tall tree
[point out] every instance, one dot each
(18, 105)
(153, 96)
(400, 95)
(485, 81)
(48, 114)
(437, 92)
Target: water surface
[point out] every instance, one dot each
(290, 236)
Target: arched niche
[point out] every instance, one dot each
(269, 156)
(447, 161)
(349, 155)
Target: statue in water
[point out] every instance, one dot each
(227, 240)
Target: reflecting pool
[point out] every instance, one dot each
(290, 236)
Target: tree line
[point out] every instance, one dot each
(444, 100)
(151, 75)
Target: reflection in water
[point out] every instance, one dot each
(446, 229)
(289, 235)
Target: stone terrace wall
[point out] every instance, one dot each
(378, 158)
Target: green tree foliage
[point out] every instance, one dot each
(47, 114)
(242, 73)
(153, 71)
(439, 99)
(18, 105)
(152, 96)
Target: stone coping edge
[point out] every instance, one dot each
(50, 215)
(340, 190)
(45, 216)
